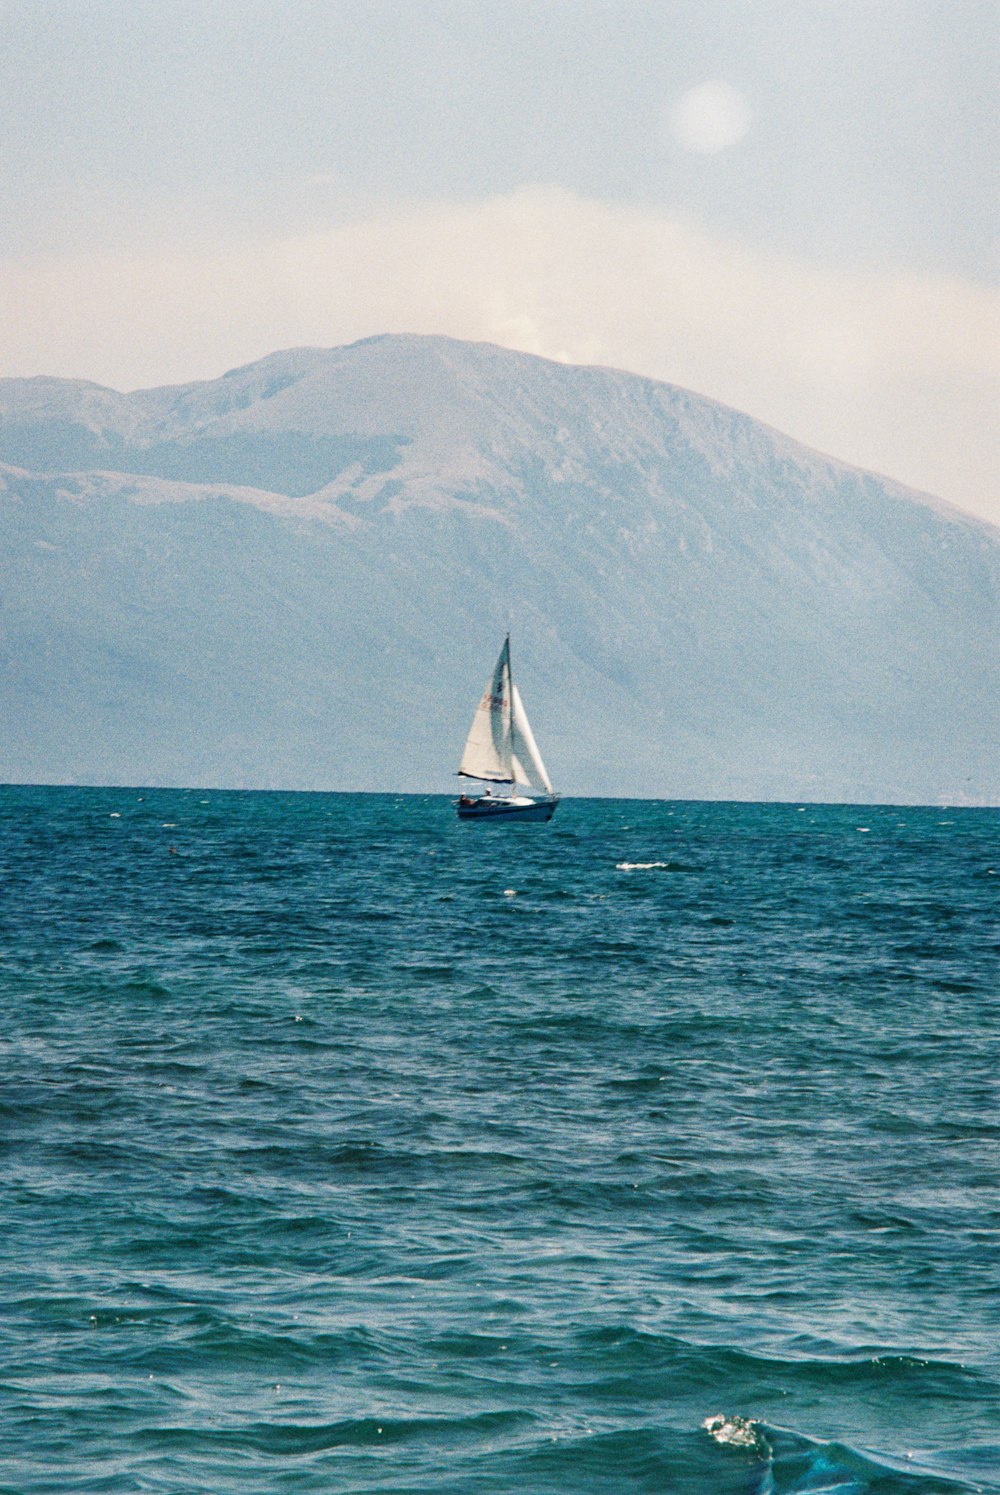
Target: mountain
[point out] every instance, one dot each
(299, 575)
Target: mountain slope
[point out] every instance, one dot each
(300, 573)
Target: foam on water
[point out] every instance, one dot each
(736, 1432)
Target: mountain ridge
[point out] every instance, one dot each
(310, 359)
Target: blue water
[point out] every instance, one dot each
(348, 1148)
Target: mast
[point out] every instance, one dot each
(510, 708)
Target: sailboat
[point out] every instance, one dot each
(501, 749)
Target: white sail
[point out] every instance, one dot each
(487, 752)
(501, 748)
(526, 760)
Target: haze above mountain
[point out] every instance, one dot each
(298, 575)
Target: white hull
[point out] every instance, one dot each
(516, 807)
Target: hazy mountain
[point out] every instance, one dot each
(299, 574)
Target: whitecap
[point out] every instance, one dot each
(735, 1432)
(637, 866)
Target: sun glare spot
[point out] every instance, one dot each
(710, 118)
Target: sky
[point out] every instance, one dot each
(787, 205)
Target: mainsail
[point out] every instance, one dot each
(487, 750)
(501, 746)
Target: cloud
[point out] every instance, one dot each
(894, 372)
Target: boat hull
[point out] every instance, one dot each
(486, 809)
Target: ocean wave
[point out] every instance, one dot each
(793, 1463)
(622, 1349)
(288, 1439)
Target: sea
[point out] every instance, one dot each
(347, 1147)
